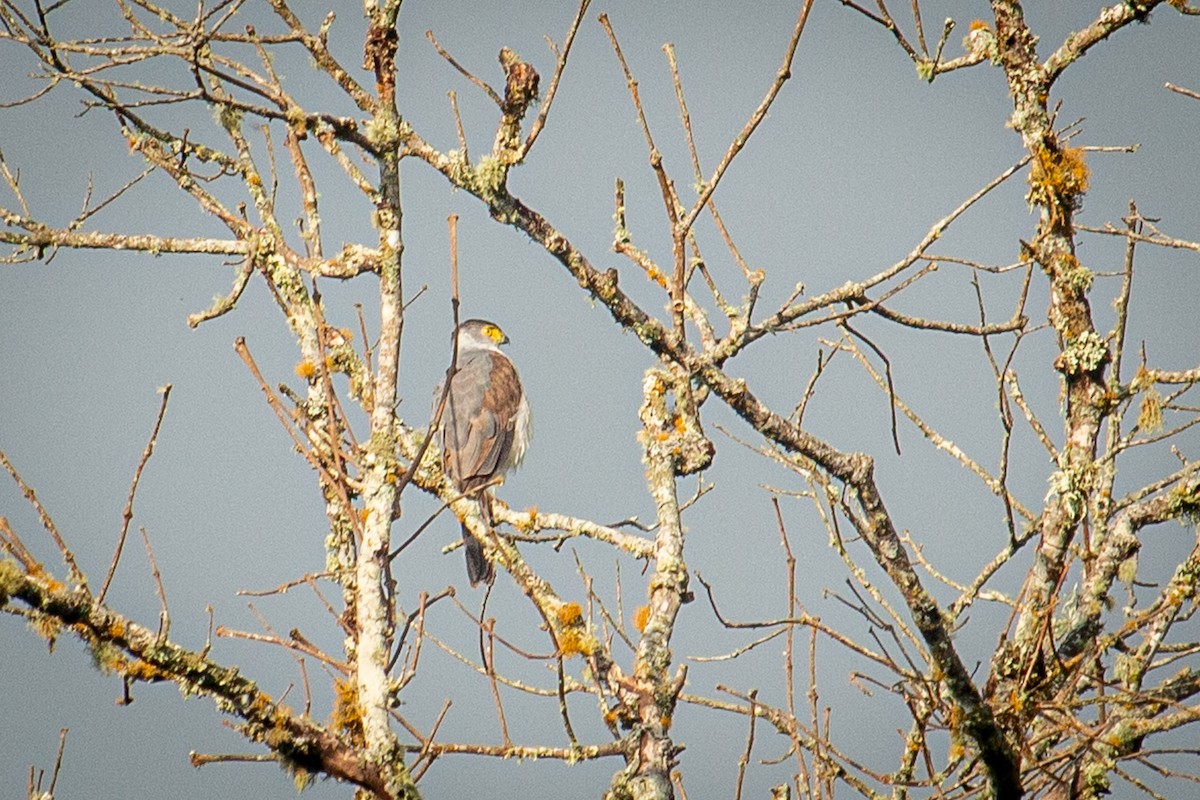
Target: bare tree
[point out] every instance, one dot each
(1078, 684)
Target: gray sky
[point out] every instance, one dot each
(856, 160)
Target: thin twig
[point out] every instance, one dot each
(744, 760)
(77, 575)
(58, 760)
(1181, 90)
(164, 616)
(488, 90)
(760, 113)
(562, 54)
(489, 630)
(127, 514)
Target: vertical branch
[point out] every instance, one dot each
(744, 760)
(1058, 179)
(651, 752)
(489, 666)
(1108, 470)
(372, 605)
(794, 611)
(1133, 224)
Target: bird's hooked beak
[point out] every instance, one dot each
(495, 334)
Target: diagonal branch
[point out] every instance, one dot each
(856, 470)
(136, 653)
(1111, 19)
(759, 114)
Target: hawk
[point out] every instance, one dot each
(485, 426)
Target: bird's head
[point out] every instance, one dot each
(479, 334)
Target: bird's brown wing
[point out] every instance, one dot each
(480, 417)
(478, 425)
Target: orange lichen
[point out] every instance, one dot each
(261, 705)
(569, 614)
(306, 369)
(576, 641)
(573, 638)
(978, 25)
(641, 616)
(347, 714)
(37, 571)
(141, 671)
(530, 523)
(1058, 178)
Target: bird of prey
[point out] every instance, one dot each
(485, 426)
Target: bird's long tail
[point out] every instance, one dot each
(479, 569)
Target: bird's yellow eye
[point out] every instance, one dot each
(493, 333)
